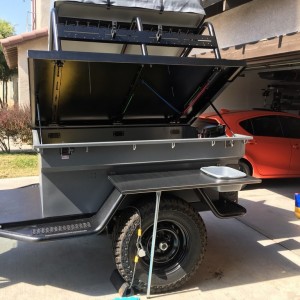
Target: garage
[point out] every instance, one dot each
(271, 79)
(266, 35)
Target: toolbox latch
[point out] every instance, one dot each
(158, 33)
(66, 152)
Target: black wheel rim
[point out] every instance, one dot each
(170, 246)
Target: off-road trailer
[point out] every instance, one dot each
(116, 142)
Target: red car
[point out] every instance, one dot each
(274, 151)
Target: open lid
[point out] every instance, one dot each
(77, 89)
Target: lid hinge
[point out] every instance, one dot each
(39, 120)
(56, 90)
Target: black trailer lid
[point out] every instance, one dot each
(77, 89)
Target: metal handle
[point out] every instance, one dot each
(54, 42)
(140, 28)
(211, 31)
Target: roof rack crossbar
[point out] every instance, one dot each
(84, 30)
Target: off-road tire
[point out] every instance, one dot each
(179, 226)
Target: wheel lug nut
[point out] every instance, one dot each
(163, 246)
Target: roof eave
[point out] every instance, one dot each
(10, 45)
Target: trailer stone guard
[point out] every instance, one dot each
(113, 105)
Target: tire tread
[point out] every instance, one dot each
(129, 222)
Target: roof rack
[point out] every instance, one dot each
(131, 33)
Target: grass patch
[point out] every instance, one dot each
(18, 165)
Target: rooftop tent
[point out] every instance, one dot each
(187, 6)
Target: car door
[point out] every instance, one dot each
(269, 151)
(291, 130)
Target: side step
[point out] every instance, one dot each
(63, 227)
(51, 230)
(223, 209)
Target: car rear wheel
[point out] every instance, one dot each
(180, 245)
(244, 167)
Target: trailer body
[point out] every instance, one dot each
(114, 128)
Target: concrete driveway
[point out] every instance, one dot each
(254, 257)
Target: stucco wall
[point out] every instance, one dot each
(256, 20)
(43, 13)
(38, 44)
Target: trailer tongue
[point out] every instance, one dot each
(115, 136)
